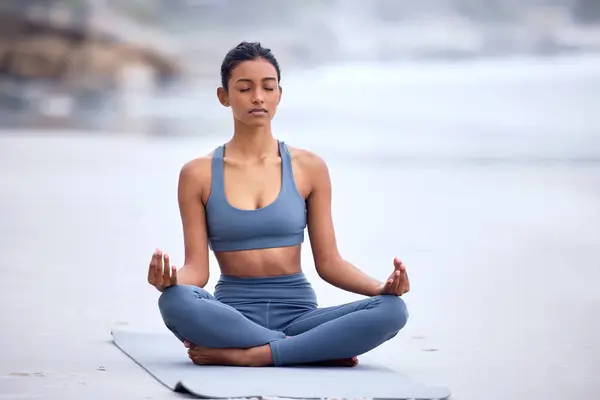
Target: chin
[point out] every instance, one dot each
(257, 121)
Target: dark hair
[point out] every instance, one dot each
(245, 51)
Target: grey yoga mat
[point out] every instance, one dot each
(165, 358)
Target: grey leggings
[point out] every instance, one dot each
(250, 312)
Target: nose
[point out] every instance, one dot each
(258, 97)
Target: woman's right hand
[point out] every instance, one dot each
(161, 274)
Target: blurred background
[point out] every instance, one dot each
(113, 64)
(462, 136)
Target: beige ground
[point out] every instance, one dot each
(504, 262)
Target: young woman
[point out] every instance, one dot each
(250, 201)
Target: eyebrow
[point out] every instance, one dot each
(269, 78)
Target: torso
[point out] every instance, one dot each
(254, 187)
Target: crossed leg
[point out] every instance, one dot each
(340, 332)
(193, 314)
(222, 335)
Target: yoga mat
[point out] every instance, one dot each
(165, 358)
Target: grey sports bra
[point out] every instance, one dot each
(279, 224)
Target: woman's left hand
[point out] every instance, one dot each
(397, 284)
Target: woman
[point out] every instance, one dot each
(250, 201)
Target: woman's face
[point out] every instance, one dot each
(254, 92)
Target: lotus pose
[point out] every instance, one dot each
(249, 201)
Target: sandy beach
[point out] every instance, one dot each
(503, 252)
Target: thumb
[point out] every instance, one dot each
(399, 265)
(173, 275)
(385, 286)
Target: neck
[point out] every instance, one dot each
(252, 141)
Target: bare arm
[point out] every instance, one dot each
(330, 266)
(195, 270)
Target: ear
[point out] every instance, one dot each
(280, 94)
(223, 96)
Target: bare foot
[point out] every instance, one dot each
(254, 357)
(344, 362)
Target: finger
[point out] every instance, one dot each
(399, 265)
(406, 282)
(157, 259)
(173, 275)
(151, 270)
(390, 279)
(387, 286)
(390, 282)
(398, 282)
(393, 274)
(155, 268)
(166, 278)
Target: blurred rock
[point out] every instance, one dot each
(40, 46)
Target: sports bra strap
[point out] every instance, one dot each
(287, 170)
(217, 186)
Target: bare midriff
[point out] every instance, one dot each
(260, 262)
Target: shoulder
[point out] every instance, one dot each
(308, 161)
(197, 171)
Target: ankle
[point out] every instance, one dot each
(259, 356)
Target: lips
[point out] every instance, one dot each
(258, 111)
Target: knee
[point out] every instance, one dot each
(175, 299)
(394, 312)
